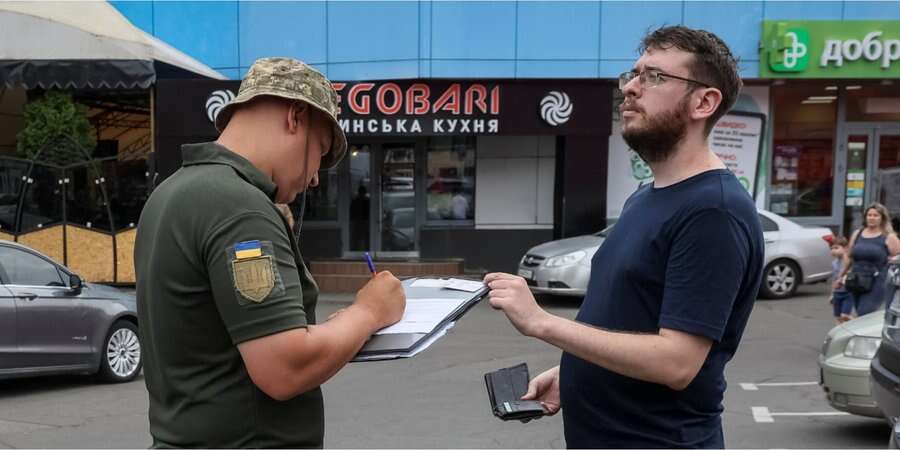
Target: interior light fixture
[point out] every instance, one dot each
(854, 87)
(830, 88)
(822, 97)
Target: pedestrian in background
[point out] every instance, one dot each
(841, 300)
(865, 266)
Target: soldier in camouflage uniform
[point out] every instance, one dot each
(233, 356)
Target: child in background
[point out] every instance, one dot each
(841, 299)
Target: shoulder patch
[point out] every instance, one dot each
(253, 270)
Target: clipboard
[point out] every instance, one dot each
(404, 345)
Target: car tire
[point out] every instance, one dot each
(781, 278)
(121, 359)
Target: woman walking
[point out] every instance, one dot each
(866, 263)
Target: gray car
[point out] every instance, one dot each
(794, 255)
(52, 323)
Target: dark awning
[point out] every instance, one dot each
(83, 45)
(77, 74)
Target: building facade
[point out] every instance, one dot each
(814, 145)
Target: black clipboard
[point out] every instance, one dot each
(394, 344)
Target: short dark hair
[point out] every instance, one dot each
(713, 62)
(840, 241)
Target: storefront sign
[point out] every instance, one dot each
(737, 140)
(417, 107)
(830, 49)
(445, 107)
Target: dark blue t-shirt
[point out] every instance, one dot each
(687, 257)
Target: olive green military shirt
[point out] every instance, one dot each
(216, 266)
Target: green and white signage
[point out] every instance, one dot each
(830, 49)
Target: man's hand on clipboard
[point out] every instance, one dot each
(384, 298)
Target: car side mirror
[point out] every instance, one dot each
(75, 283)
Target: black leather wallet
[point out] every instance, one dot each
(505, 389)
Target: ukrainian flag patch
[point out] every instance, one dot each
(248, 249)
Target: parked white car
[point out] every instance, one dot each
(794, 255)
(844, 364)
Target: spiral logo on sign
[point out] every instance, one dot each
(216, 101)
(556, 108)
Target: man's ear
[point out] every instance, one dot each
(298, 115)
(708, 103)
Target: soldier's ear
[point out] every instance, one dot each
(298, 115)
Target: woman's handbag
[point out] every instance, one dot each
(860, 280)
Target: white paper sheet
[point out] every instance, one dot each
(429, 283)
(464, 285)
(422, 315)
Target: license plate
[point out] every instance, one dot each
(526, 274)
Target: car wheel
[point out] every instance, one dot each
(780, 279)
(121, 359)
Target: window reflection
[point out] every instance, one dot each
(451, 178)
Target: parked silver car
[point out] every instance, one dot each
(51, 322)
(844, 364)
(794, 255)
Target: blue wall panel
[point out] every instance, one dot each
(624, 24)
(871, 10)
(373, 70)
(738, 23)
(207, 31)
(473, 30)
(372, 31)
(140, 14)
(541, 39)
(283, 29)
(473, 69)
(556, 69)
(612, 68)
(800, 10)
(559, 30)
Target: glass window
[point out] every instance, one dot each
(26, 269)
(804, 125)
(450, 186)
(127, 186)
(43, 203)
(768, 224)
(321, 201)
(85, 202)
(11, 173)
(889, 175)
(360, 204)
(873, 102)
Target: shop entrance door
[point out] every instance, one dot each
(872, 171)
(384, 200)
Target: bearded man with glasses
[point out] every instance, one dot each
(673, 284)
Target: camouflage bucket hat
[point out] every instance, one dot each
(294, 80)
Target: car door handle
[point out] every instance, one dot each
(27, 296)
(768, 241)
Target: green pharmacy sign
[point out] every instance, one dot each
(830, 49)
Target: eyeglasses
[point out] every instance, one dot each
(652, 78)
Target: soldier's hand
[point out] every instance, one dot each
(383, 296)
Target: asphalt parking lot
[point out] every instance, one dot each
(438, 399)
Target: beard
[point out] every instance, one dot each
(656, 141)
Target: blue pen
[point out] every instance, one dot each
(370, 263)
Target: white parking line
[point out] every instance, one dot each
(756, 386)
(761, 414)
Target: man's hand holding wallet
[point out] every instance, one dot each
(506, 387)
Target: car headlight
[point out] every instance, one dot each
(565, 260)
(862, 347)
